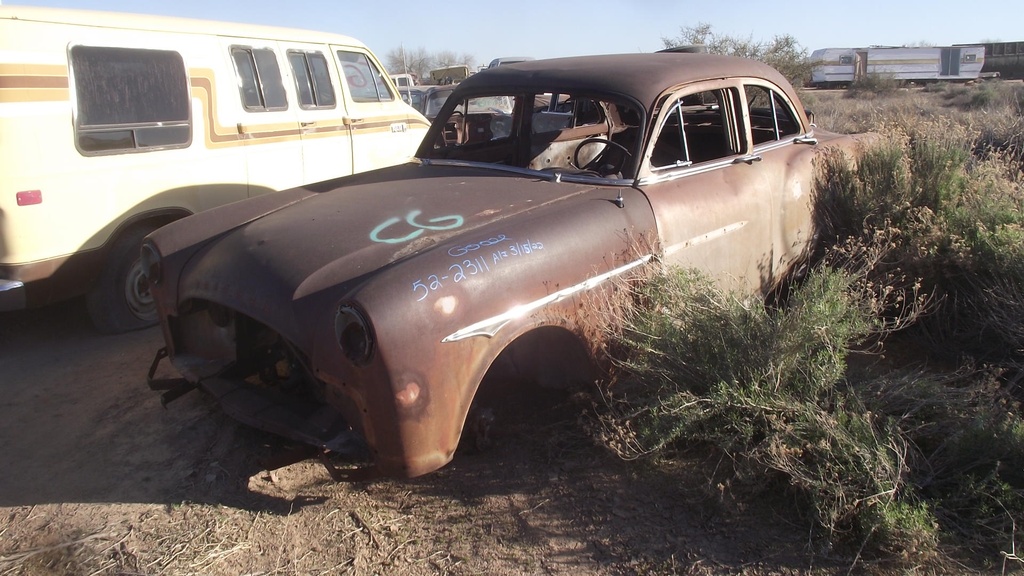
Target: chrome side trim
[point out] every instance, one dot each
(707, 237)
(6, 285)
(491, 326)
(12, 295)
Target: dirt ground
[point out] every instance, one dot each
(96, 477)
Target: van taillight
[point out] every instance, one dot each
(29, 197)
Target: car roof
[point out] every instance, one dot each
(643, 76)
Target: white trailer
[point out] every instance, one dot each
(836, 67)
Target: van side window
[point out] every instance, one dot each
(771, 118)
(365, 81)
(312, 79)
(130, 99)
(698, 128)
(259, 79)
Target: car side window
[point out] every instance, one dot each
(259, 79)
(771, 118)
(312, 79)
(364, 79)
(130, 99)
(697, 128)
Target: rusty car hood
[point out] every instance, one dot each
(351, 227)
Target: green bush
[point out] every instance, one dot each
(984, 97)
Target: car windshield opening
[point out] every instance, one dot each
(552, 131)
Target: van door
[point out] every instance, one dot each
(326, 138)
(385, 130)
(266, 118)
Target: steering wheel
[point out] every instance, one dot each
(606, 169)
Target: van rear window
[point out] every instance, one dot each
(130, 99)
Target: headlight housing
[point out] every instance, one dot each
(354, 335)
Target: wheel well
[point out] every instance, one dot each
(548, 357)
(150, 220)
(528, 384)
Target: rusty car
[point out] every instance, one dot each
(360, 315)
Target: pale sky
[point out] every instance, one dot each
(487, 30)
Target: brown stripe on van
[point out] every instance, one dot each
(216, 135)
(33, 83)
(219, 136)
(29, 82)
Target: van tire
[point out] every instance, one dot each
(120, 301)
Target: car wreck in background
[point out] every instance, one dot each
(360, 315)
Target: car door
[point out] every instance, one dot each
(711, 198)
(786, 154)
(326, 137)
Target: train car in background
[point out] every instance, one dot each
(837, 67)
(1004, 59)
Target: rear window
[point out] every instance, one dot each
(130, 99)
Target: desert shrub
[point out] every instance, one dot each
(898, 187)
(983, 97)
(888, 460)
(939, 87)
(952, 93)
(888, 463)
(873, 84)
(957, 224)
(767, 387)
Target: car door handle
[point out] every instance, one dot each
(750, 159)
(350, 121)
(307, 124)
(805, 140)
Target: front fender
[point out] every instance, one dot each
(439, 320)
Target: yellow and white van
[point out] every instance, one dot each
(112, 125)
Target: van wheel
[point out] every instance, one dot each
(120, 300)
